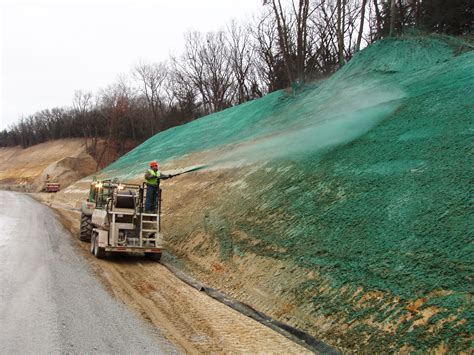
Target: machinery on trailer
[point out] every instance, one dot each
(113, 220)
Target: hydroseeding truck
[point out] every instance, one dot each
(113, 220)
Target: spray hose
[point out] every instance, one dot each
(195, 168)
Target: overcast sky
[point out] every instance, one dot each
(51, 48)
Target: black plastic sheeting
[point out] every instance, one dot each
(292, 333)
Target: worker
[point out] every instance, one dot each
(152, 179)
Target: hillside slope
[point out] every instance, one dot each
(63, 161)
(344, 208)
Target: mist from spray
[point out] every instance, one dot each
(312, 120)
(331, 121)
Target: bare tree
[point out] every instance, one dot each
(324, 37)
(218, 72)
(151, 79)
(206, 63)
(240, 56)
(284, 37)
(115, 104)
(268, 61)
(378, 20)
(185, 99)
(82, 103)
(302, 14)
(297, 47)
(354, 17)
(340, 30)
(393, 8)
(361, 24)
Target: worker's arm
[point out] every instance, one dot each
(165, 176)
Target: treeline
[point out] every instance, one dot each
(287, 44)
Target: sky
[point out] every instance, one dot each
(49, 49)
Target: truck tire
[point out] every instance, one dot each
(98, 251)
(153, 256)
(86, 228)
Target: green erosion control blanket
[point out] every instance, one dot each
(366, 177)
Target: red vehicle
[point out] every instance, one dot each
(52, 187)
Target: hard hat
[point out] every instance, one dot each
(153, 163)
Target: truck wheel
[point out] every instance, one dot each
(153, 256)
(98, 251)
(86, 228)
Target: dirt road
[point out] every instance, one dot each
(50, 299)
(191, 320)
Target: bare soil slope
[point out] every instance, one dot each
(63, 161)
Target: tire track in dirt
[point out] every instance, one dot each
(189, 318)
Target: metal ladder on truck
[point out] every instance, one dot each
(150, 226)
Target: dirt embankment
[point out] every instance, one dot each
(62, 161)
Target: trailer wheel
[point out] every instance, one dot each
(153, 256)
(86, 228)
(98, 251)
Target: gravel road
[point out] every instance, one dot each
(50, 300)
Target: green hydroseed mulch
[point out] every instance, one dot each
(366, 177)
